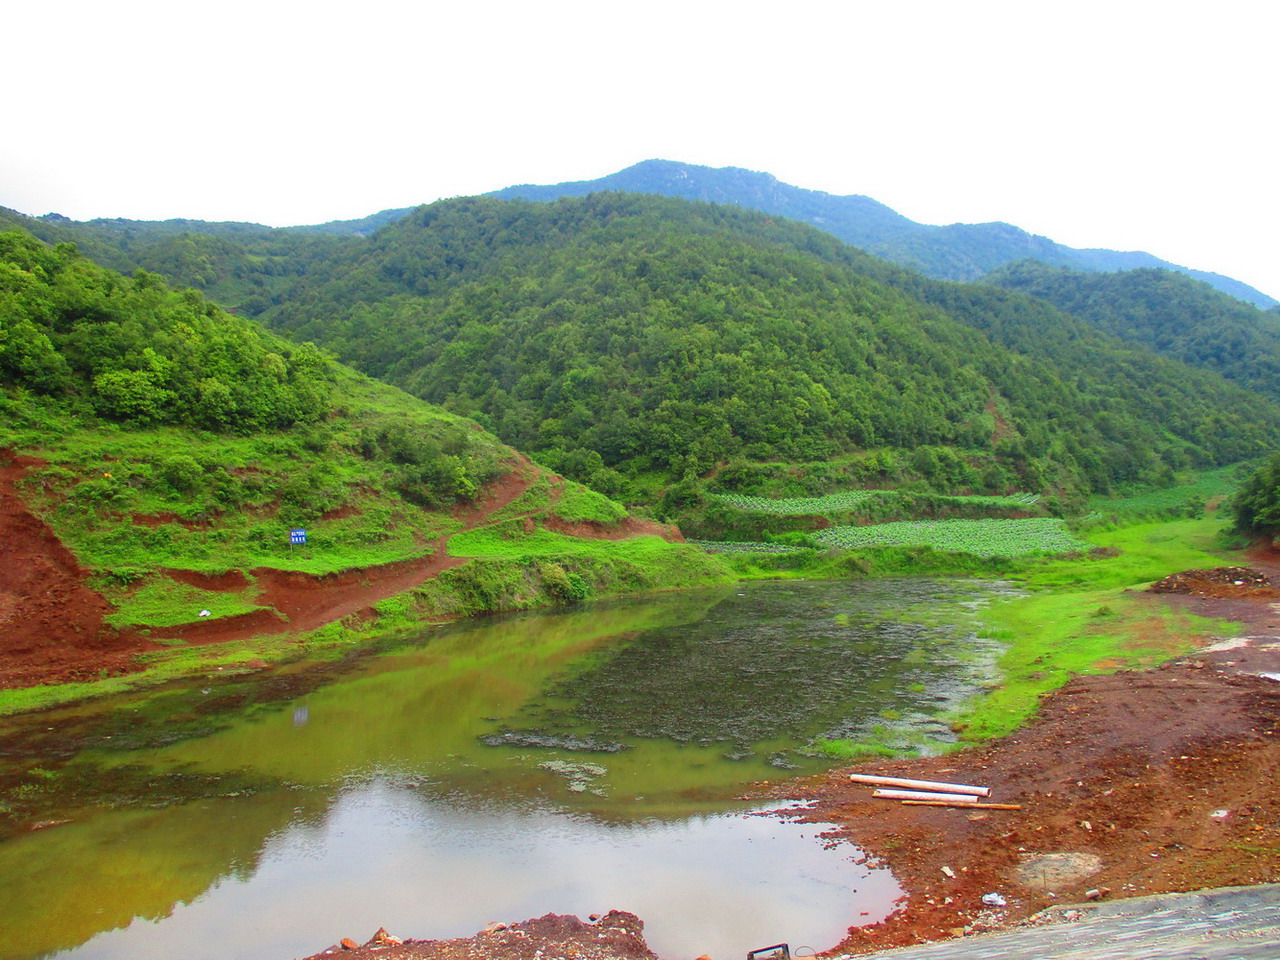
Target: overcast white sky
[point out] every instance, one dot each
(1123, 124)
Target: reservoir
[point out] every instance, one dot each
(484, 771)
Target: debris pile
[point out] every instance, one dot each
(1218, 582)
(931, 793)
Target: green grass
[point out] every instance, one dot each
(1192, 491)
(536, 499)
(984, 538)
(1089, 616)
(743, 546)
(161, 602)
(578, 504)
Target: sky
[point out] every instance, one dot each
(1128, 125)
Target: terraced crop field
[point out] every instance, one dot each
(852, 499)
(736, 546)
(801, 506)
(984, 538)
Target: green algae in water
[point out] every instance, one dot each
(775, 668)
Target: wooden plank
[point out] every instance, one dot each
(937, 786)
(962, 803)
(922, 795)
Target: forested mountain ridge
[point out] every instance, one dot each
(624, 335)
(1166, 311)
(621, 334)
(958, 251)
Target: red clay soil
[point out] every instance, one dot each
(623, 530)
(51, 624)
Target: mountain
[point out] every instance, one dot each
(1170, 313)
(627, 338)
(955, 252)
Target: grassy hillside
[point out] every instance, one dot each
(172, 447)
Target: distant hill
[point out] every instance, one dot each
(961, 251)
(1166, 311)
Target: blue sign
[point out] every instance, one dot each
(297, 536)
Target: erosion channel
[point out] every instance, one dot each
(484, 771)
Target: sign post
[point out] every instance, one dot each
(296, 537)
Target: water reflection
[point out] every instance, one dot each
(270, 818)
(714, 881)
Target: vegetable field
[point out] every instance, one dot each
(852, 499)
(736, 546)
(984, 538)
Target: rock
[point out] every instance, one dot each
(1053, 872)
(346, 943)
(382, 938)
(994, 900)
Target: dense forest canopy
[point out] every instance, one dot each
(1257, 505)
(1170, 313)
(959, 251)
(631, 340)
(636, 333)
(142, 353)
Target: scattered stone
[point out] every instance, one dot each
(994, 900)
(382, 938)
(348, 944)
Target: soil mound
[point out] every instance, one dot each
(1218, 582)
(615, 936)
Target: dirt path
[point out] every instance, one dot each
(1171, 778)
(302, 601)
(51, 624)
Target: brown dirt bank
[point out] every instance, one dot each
(52, 627)
(1170, 777)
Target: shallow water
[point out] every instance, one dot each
(491, 771)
